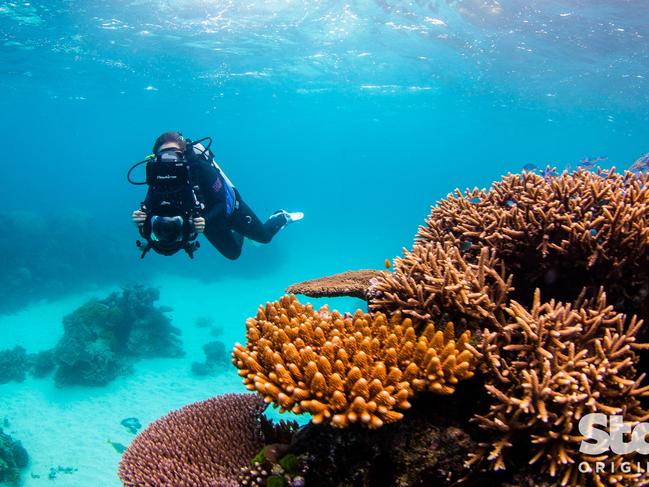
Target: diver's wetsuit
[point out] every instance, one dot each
(227, 217)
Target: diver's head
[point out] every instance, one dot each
(169, 141)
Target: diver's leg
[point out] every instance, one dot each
(244, 221)
(225, 240)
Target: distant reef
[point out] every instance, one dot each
(13, 458)
(519, 310)
(16, 363)
(103, 338)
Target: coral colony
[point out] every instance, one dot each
(517, 313)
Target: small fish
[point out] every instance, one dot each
(530, 167)
(510, 203)
(641, 164)
(588, 162)
(388, 264)
(119, 448)
(466, 245)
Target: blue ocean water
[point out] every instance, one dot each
(361, 114)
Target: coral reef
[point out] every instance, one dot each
(13, 458)
(102, 338)
(203, 444)
(426, 448)
(13, 365)
(435, 282)
(347, 369)
(16, 363)
(351, 283)
(548, 367)
(388, 381)
(216, 358)
(559, 234)
(273, 465)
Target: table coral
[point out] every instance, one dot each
(346, 369)
(351, 283)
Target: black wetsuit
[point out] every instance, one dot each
(227, 217)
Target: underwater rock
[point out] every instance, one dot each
(102, 338)
(216, 358)
(13, 458)
(13, 365)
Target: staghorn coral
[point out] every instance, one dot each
(345, 369)
(435, 282)
(556, 233)
(351, 283)
(203, 444)
(549, 366)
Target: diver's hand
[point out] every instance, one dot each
(139, 217)
(199, 224)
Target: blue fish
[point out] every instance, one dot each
(588, 162)
(529, 167)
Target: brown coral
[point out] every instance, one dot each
(550, 366)
(203, 444)
(556, 233)
(351, 283)
(435, 282)
(345, 369)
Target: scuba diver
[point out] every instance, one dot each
(189, 194)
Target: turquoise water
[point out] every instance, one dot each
(361, 114)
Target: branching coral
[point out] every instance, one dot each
(434, 282)
(351, 283)
(203, 444)
(346, 369)
(548, 231)
(549, 366)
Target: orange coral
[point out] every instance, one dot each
(549, 367)
(345, 369)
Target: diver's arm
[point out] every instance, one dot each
(139, 215)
